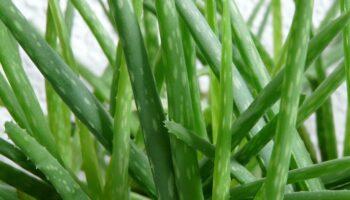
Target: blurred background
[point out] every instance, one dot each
(88, 52)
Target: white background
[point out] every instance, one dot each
(87, 50)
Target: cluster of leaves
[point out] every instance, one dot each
(145, 130)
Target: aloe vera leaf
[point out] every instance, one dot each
(345, 7)
(26, 183)
(247, 48)
(330, 14)
(277, 27)
(115, 80)
(147, 100)
(58, 113)
(151, 35)
(221, 173)
(8, 193)
(331, 167)
(62, 33)
(14, 154)
(138, 8)
(107, 75)
(321, 195)
(197, 32)
(71, 89)
(159, 70)
(67, 84)
(77, 162)
(310, 105)
(15, 110)
(105, 41)
(324, 121)
(11, 62)
(305, 137)
(322, 93)
(237, 170)
(190, 60)
(191, 139)
(265, 56)
(272, 91)
(211, 49)
(198, 143)
(149, 5)
(10, 101)
(136, 196)
(281, 59)
(117, 186)
(90, 163)
(336, 181)
(89, 156)
(176, 77)
(213, 56)
(254, 13)
(300, 159)
(101, 88)
(210, 14)
(214, 106)
(333, 55)
(69, 15)
(276, 177)
(105, 9)
(24, 196)
(54, 171)
(264, 20)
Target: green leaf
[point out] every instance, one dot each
(178, 90)
(65, 185)
(10, 101)
(26, 182)
(211, 48)
(62, 33)
(214, 82)
(72, 91)
(151, 35)
(310, 105)
(117, 184)
(255, 12)
(326, 134)
(345, 7)
(101, 88)
(276, 177)
(11, 62)
(15, 155)
(264, 20)
(100, 33)
(58, 112)
(244, 41)
(147, 100)
(271, 92)
(322, 195)
(190, 59)
(328, 168)
(7, 192)
(90, 162)
(221, 174)
(193, 140)
(277, 27)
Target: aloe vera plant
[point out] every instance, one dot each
(146, 129)
(221, 180)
